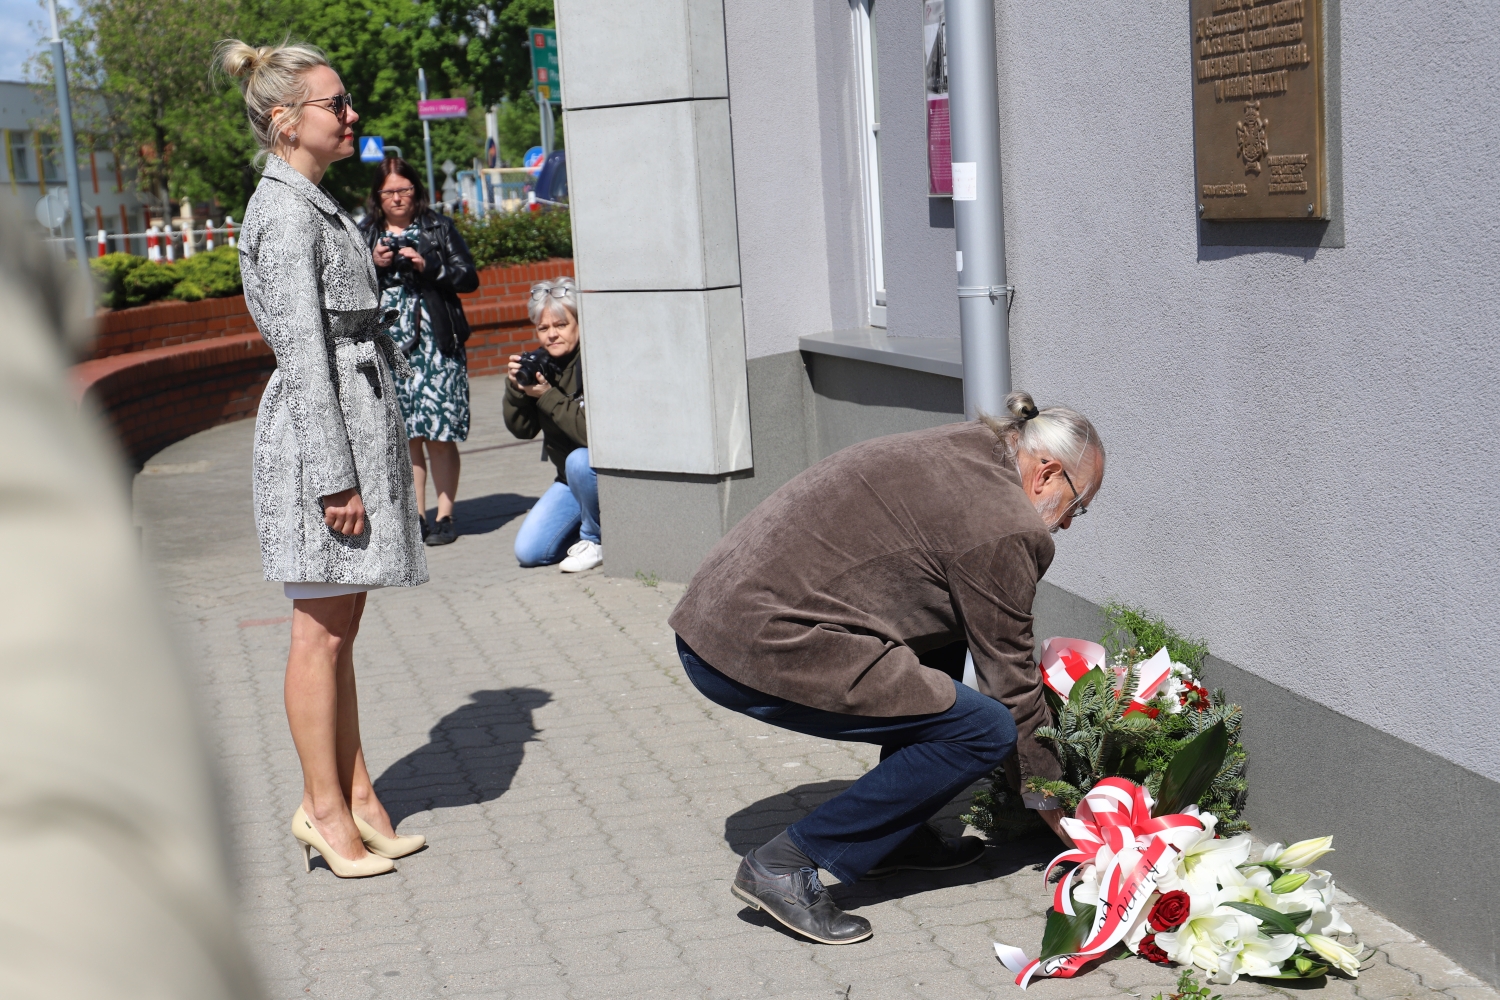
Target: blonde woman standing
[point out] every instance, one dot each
(334, 504)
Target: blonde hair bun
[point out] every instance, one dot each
(270, 77)
(239, 59)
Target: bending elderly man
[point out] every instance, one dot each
(815, 612)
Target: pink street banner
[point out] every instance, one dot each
(935, 63)
(443, 107)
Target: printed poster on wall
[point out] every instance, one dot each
(939, 145)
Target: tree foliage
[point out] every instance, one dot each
(183, 127)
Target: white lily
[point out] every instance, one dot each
(1211, 943)
(1216, 855)
(1342, 958)
(1326, 922)
(1300, 854)
(1262, 955)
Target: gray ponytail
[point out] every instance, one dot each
(1054, 432)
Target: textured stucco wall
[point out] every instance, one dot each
(1302, 442)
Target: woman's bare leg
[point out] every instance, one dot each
(320, 629)
(359, 790)
(419, 475)
(445, 465)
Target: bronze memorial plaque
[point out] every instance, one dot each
(1258, 109)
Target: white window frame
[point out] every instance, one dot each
(869, 146)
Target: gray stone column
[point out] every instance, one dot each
(651, 182)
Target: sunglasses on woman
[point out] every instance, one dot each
(339, 104)
(556, 291)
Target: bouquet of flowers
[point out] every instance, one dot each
(1171, 891)
(1128, 708)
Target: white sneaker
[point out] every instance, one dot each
(583, 555)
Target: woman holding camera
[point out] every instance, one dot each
(423, 263)
(545, 396)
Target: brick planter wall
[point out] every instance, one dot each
(164, 371)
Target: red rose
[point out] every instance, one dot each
(1170, 911)
(1151, 952)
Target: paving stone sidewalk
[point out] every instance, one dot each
(585, 807)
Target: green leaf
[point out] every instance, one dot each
(1286, 923)
(1192, 770)
(1064, 934)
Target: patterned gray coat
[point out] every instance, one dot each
(329, 419)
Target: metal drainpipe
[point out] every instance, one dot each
(978, 213)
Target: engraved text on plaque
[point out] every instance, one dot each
(1258, 108)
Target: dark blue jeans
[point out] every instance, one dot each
(925, 761)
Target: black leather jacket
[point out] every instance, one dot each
(450, 270)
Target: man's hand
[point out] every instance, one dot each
(344, 512)
(1054, 818)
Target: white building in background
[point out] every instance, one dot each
(1301, 415)
(32, 165)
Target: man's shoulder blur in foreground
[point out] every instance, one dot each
(111, 856)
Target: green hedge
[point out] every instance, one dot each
(127, 280)
(521, 238)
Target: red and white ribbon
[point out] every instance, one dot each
(1065, 661)
(1114, 830)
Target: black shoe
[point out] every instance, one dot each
(799, 901)
(926, 850)
(426, 528)
(442, 533)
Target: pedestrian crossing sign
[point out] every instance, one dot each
(372, 149)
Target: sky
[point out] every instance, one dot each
(18, 39)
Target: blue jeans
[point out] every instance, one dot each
(925, 761)
(563, 515)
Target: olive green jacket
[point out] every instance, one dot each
(556, 414)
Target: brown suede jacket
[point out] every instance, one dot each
(827, 593)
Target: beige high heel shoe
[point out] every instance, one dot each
(309, 837)
(388, 847)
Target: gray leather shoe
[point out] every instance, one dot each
(926, 850)
(798, 901)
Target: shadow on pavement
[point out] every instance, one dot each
(471, 756)
(482, 515)
(760, 821)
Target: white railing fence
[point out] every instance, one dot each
(163, 244)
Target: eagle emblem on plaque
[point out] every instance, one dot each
(1254, 144)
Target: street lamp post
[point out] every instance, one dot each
(70, 148)
(426, 132)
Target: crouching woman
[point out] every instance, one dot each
(545, 396)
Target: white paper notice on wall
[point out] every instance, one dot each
(965, 182)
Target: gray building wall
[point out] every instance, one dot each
(1300, 437)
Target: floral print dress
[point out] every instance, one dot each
(435, 400)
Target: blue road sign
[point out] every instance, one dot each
(372, 149)
(533, 160)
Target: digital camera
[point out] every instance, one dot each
(537, 362)
(398, 241)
